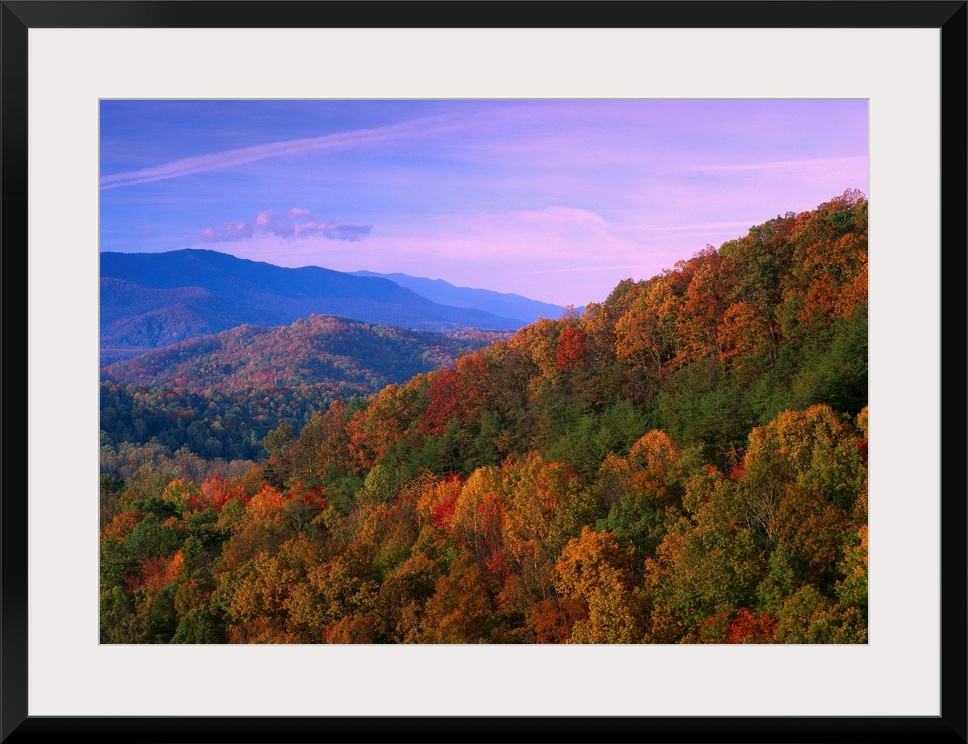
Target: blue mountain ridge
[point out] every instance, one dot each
(506, 305)
(150, 300)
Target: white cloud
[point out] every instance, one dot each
(293, 224)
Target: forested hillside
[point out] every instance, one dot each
(219, 395)
(684, 462)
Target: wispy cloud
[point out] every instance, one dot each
(427, 126)
(851, 162)
(293, 224)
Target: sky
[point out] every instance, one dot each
(556, 200)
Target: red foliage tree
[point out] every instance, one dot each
(749, 628)
(445, 402)
(571, 349)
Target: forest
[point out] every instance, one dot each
(684, 462)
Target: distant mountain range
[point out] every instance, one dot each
(152, 300)
(499, 303)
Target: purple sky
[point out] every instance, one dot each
(554, 200)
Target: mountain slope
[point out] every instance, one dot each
(149, 300)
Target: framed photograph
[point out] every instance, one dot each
(80, 81)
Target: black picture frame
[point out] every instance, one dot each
(949, 16)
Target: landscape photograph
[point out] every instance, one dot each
(552, 371)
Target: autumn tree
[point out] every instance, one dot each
(594, 569)
(458, 611)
